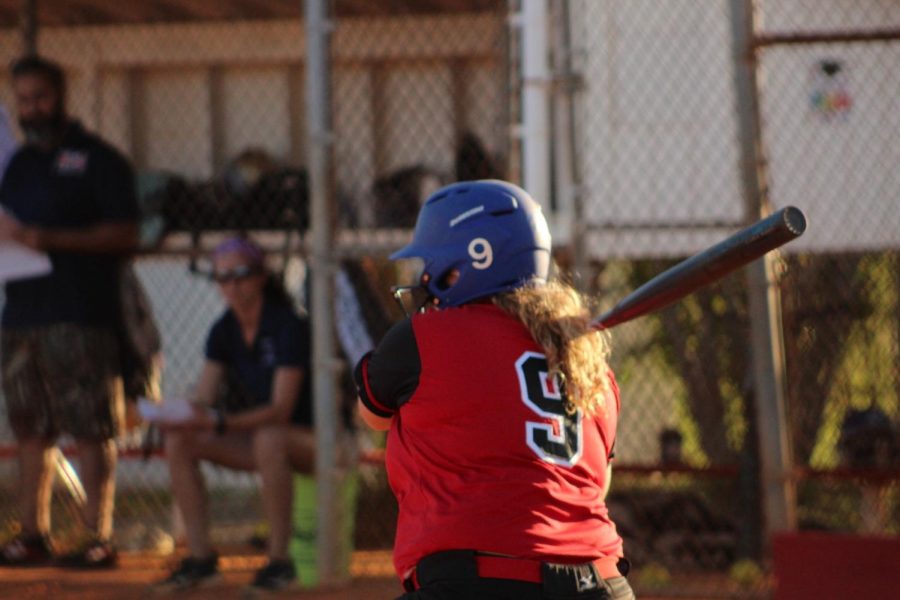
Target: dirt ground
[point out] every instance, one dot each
(372, 580)
(136, 572)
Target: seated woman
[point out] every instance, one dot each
(260, 346)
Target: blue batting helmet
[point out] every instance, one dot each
(492, 232)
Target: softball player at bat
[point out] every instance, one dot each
(501, 411)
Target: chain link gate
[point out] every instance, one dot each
(831, 129)
(659, 160)
(419, 101)
(659, 180)
(212, 122)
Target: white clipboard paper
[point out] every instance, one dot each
(171, 411)
(21, 262)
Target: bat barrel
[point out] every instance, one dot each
(709, 265)
(794, 220)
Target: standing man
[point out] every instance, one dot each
(69, 194)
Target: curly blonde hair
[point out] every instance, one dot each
(559, 320)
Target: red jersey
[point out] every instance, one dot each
(481, 454)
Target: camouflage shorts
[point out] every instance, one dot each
(62, 378)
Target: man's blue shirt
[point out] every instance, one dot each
(83, 182)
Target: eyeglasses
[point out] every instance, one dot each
(236, 274)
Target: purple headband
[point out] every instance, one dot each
(246, 248)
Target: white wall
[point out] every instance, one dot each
(188, 97)
(658, 148)
(842, 169)
(656, 124)
(793, 16)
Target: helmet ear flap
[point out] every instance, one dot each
(447, 280)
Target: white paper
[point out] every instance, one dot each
(8, 141)
(171, 411)
(21, 262)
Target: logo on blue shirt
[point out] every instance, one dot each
(71, 162)
(267, 351)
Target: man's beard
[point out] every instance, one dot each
(44, 131)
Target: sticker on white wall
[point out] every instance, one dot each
(830, 97)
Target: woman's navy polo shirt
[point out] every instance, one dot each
(282, 340)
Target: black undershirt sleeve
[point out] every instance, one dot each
(387, 377)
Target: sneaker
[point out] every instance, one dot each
(26, 550)
(94, 554)
(275, 576)
(191, 573)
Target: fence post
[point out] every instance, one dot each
(322, 269)
(767, 344)
(28, 26)
(535, 101)
(569, 217)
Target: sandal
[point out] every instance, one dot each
(95, 554)
(26, 550)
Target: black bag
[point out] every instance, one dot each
(400, 194)
(140, 342)
(279, 200)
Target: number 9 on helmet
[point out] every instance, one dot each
(492, 233)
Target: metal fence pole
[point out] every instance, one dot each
(28, 25)
(566, 175)
(535, 101)
(322, 269)
(779, 496)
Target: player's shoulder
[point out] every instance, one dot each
(398, 346)
(614, 393)
(469, 321)
(400, 332)
(473, 315)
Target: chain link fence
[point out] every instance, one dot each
(830, 128)
(659, 159)
(212, 122)
(212, 116)
(661, 179)
(419, 101)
